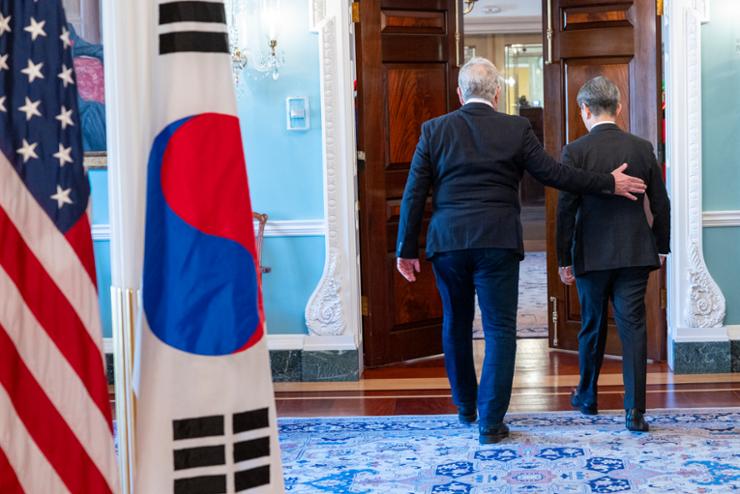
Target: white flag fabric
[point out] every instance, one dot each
(205, 414)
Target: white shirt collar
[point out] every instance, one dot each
(601, 123)
(479, 100)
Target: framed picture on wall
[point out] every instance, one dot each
(468, 53)
(84, 24)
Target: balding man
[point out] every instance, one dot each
(473, 160)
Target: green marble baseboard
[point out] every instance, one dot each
(312, 366)
(707, 357)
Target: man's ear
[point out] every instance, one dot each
(460, 96)
(497, 97)
(619, 109)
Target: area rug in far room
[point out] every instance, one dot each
(687, 451)
(531, 316)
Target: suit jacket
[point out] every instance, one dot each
(473, 160)
(597, 233)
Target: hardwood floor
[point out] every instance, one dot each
(542, 382)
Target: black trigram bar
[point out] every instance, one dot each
(249, 479)
(249, 450)
(248, 421)
(212, 484)
(198, 427)
(192, 12)
(201, 456)
(193, 41)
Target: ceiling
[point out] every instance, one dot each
(514, 16)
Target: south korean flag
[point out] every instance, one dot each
(205, 412)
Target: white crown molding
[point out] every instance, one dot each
(717, 219)
(280, 228)
(503, 25)
(696, 304)
(333, 310)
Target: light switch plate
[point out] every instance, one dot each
(297, 113)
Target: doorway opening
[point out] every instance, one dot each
(517, 52)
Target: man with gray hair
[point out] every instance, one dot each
(473, 160)
(608, 247)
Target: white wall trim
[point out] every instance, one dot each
(503, 25)
(279, 228)
(333, 310)
(101, 231)
(302, 342)
(718, 219)
(696, 305)
(734, 332)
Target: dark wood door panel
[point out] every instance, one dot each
(407, 55)
(416, 93)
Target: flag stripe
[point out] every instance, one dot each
(54, 313)
(191, 12)
(59, 381)
(249, 450)
(79, 238)
(46, 426)
(254, 477)
(33, 471)
(202, 456)
(211, 484)
(51, 248)
(9, 483)
(198, 427)
(248, 421)
(193, 41)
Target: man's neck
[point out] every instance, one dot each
(480, 100)
(607, 120)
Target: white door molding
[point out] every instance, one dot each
(696, 305)
(334, 307)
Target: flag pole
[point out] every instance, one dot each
(123, 308)
(127, 104)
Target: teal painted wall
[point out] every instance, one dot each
(285, 175)
(722, 253)
(285, 167)
(721, 106)
(721, 145)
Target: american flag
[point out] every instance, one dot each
(55, 417)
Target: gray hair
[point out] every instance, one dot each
(478, 78)
(600, 95)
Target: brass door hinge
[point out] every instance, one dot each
(355, 12)
(659, 7)
(365, 305)
(663, 299)
(554, 315)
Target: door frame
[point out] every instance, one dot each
(333, 311)
(696, 305)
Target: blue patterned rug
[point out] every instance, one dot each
(687, 451)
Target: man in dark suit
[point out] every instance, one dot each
(473, 160)
(608, 247)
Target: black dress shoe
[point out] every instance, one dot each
(634, 419)
(495, 434)
(466, 416)
(576, 403)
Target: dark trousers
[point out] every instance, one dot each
(626, 288)
(494, 274)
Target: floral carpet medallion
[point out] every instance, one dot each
(687, 451)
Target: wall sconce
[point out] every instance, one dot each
(469, 6)
(254, 45)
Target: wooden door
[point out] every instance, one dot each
(408, 56)
(620, 40)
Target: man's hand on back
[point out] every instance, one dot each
(407, 267)
(566, 275)
(626, 186)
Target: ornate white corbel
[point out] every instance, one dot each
(334, 308)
